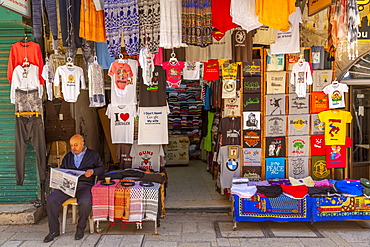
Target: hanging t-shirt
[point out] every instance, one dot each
(229, 128)
(275, 168)
(335, 92)
(251, 138)
(336, 155)
(72, 78)
(229, 168)
(146, 156)
(298, 167)
(229, 70)
(298, 145)
(155, 93)
(265, 36)
(252, 156)
(275, 104)
(276, 82)
(335, 126)
(275, 62)
(288, 42)
(173, 73)
(228, 88)
(147, 65)
(221, 47)
(319, 102)
(232, 106)
(243, 13)
(191, 71)
(275, 125)
(321, 78)
(153, 125)
(275, 147)
(317, 145)
(301, 77)
(121, 123)
(242, 43)
(252, 84)
(211, 70)
(318, 55)
(298, 124)
(252, 120)
(317, 126)
(196, 53)
(221, 18)
(252, 68)
(122, 75)
(298, 105)
(251, 102)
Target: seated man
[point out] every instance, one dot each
(83, 159)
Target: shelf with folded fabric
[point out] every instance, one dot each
(184, 102)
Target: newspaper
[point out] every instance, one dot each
(65, 180)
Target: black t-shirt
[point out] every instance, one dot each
(155, 94)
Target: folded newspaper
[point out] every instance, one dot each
(65, 180)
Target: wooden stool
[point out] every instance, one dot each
(73, 203)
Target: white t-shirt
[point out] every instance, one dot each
(48, 75)
(301, 77)
(147, 64)
(228, 88)
(336, 94)
(121, 122)
(146, 156)
(243, 13)
(191, 71)
(153, 125)
(229, 167)
(26, 79)
(288, 42)
(72, 79)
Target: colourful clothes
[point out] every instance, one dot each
(122, 74)
(335, 126)
(149, 17)
(317, 145)
(301, 77)
(221, 18)
(211, 70)
(336, 154)
(229, 70)
(319, 102)
(91, 22)
(335, 92)
(173, 73)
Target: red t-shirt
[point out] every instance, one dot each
(336, 154)
(211, 70)
(319, 102)
(221, 18)
(317, 145)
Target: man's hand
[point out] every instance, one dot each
(89, 173)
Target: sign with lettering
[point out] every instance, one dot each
(22, 7)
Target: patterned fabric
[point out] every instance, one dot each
(150, 202)
(103, 201)
(149, 16)
(27, 101)
(122, 201)
(96, 85)
(136, 199)
(197, 22)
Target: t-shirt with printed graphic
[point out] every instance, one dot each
(121, 123)
(275, 168)
(229, 168)
(321, 79)
(298, 105)
(298, 167)
(317, 145)
(317, 126)
(336, 155)
(122, 75)
(335, 126)
(301, 77)
(319, 102)
(147, 65)
(275, 62)
(72, 79)
(275, 125)
(252, 156)
(173, 72)
(229, 70)
(155, 93)
(191, 71)
(275, 81)
(298, 145)
(318, 55)
(228, 88)
(275, 147)
(298, 124)
(230, 130)
(275, 104)
(146, 156)
(335, 93)
(211, 70)
(232, 106)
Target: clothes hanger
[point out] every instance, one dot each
(25, 63)
(25, 38)
(301, 59)
(173, 60)
(69, 62)
(120, 59)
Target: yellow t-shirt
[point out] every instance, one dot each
(335, 126)
(228, 70)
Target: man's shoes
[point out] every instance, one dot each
(79, 234)
(50, 237)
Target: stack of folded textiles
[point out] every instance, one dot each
(190, 97)
(182, 96)
(184, 109)
(193, 110)
(172, 97)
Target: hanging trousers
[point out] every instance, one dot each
(56, 199)
(29, 129)
(51, 10)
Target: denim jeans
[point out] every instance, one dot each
(51, 10)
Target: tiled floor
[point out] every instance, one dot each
(192, 186)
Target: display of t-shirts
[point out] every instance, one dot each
(96, 85)
(318, 55)
(275, 146)
(146, 156)
(155, 93)
(30, 50)
(229, 70)
(252, 84)
(275, 125)
(229, 168)
(319, 170)
(228, 88)
(265, 36)
(321, 78)
(25, 78)
(242, 43)
(153, 125)
(275, 62)
(298, 124)
(317, 145)
(336, 154)
(335, 126)
(191, 71)
(72, 78)
(288, 42)
(252, 156)
(229, 128)
(251, 138)
(243, 13)
(298, 167)
(147, 65)
(275, 104)
(335, 92)
(123, 87)
(211, 70)
(298, 145)
(298, 105)
(121, 122)
(251, 120)
(252, 68)
(319, 102)
(221, 47)
(275, 168)
(276, 82)
(301, 77)
(251, 102)
(232, 106)
(317, 126)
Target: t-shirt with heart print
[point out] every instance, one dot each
(121, 122)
